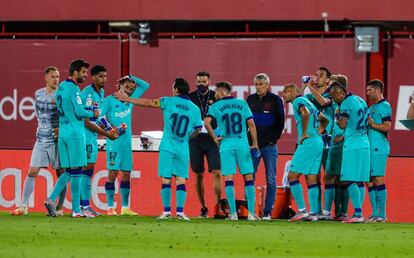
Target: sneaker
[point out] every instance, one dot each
(204, 212)
(372, 219)
(324, 217)
(51, 208)
(128, 212)
(300, 216)
(354, 219)
(341, 217)
(19, 211)
(60, 212)
(381, 220)
(164, 216)
(267, 217)
(88, 213)
(89, 210)
(232, 217)
(252, 217)
(313, 217)
(76, 215)
(111, 212)
(182, 216)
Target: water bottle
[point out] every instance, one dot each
(306, 78)
(255, 152)
(122, 128)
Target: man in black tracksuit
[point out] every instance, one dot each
(268, 114)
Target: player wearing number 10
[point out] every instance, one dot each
(232, 115)
(182, 120)
(356, 151)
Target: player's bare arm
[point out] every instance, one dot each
(95, 128)
(323, 123)
(342, 122)
(384, 127)
(154, 103)
(319, 98)
(253, 133)
(207, 124)
(304, 112)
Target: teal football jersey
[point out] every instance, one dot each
(313, 123)
(231, 115)
(328, 111)
(91, 96)
(71, 110)
(118, 112)
(356, 110)
(380, 113)
(181, 118)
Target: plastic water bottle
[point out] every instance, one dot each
(122, 128)
(255, 152)
(306, 78)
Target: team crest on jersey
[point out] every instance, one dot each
(88, 102)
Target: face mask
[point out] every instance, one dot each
(201, 88)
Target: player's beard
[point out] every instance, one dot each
(80, 79)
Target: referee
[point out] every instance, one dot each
(269, 117)
(203, 144)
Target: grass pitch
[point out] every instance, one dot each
(36, 235)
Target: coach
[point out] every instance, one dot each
(269, 117)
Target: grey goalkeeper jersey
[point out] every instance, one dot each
(47, 116)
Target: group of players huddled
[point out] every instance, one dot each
(335, 129)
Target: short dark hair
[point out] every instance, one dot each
(50, 69)
(328, 73)
(97, 69)
(224, 84)
(378, 84)
(203, 73)
(76, 65)
(181, 85)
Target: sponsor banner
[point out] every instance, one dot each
(400, 87)
(146, 185)
(22, 66)
(238, 61)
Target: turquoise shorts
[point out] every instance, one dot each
(307, 157)
(118, 157)
(171, 164)
(72, 152)
(91, 150)
(334, 162)
(378, 164)
(355, 165)
(231, 159)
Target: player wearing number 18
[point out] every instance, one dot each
(182, 121)
(232, 116)
(356, 151)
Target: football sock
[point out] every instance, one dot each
(313, 195)
(361, 187)
(166, 197)
(230, 195)
(319, 198)
(61, 200)
(180, 196)
(344, 199)
(337, 200)
(75, 178)
(86, 186)
(125, 189)
(381, 192)
(110, 193)
(251, 195)
(60, 184)
(28, 189)
(354, 194)
(373, 199)
(328, 197)
(297, 193)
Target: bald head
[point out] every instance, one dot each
(290, 92)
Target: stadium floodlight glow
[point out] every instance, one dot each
(144, 30)
(122, 26)
(366, 39)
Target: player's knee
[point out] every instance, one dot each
(378, 181)
(248, 177)
(293, 177)
(33, 172)
(125, 176)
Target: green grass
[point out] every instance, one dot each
(36, 235)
